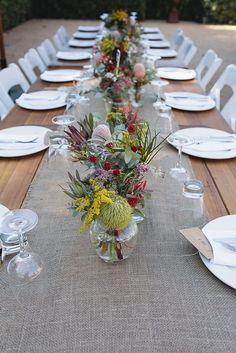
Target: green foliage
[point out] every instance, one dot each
(15, 12)
(84, 8)
(220, 11)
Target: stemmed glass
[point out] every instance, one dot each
(158, 83)
(26, 265)
(179, 171)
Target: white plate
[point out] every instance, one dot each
(202, 132)
(3, 210)
(60, 75)
(81, 43)
(73, 55)
(85, 35)
(164, 53)
(154, 36)
(40, 131)
(189, 101)
(159, 44)
(89, 28)
(151, 30)
(42, 100)
(176, 73)
(226, 274)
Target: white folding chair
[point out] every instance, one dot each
(32, 64)
(228, 108)
(11, 77)
(57, 41)
(207, 67)
(187, 51)
(177, 39)
(63, 34)
(43, 54)
(3, 108)
(48, 46)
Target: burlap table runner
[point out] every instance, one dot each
(158, 300)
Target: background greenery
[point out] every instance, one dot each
(208, 11)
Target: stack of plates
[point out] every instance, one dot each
(73, 55)
(176, 73)
(42, 100)
(81, 43)
(189, 101)
(60, 75)
(22, 140)
(209, 143)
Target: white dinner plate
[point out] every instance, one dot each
(85, 35)
(202, 132)
(60, 75)
(157, 44)
(73, 55)
(189, 101)
(226, 274)
(154, 36)
(89, 28)
(176, 73)
(42, 100)
(164, 53)
(3, 210)
(21, 149)
(81, 43)
(151, 30)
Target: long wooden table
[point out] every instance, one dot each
(219, 176)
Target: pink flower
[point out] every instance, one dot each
(139, 71)
(102, 131)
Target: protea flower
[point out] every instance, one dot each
(139, 71)
(101, 132)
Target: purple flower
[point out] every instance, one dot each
(142, 168)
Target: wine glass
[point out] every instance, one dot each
(26, 265)
(179, 171)
(158, 83)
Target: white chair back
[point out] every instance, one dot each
(3, 108)
(207, 67)
(57, 41)
(43, 54)
(63, 34)
(34, 59)
(27, 69)
(10, 77)
(228, 109)
(48, 46)
(177, 39)
(187, 51)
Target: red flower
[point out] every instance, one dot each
(93, 159)
(116, 172)
(107, 166)
(133, 201)
(131, 128)
(109, 145)
(134, 148)
(123, 68)
(140, 186)
(140, 147)
(111, 68)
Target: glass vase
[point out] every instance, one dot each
(137, 96)
(113, 246)
(114, 105)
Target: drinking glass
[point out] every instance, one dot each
(179, 171)
(26, 265)
(158, 83)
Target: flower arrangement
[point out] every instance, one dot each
(140, 77)
(118, 19)
(109, 45)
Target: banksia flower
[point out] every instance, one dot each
(116, 215)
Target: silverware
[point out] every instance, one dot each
(229, 244)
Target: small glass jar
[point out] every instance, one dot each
(113, 246)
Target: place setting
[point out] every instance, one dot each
(89, 28)
(176, 73)
(156, 44)
(73, 55)
(85, 35)
(23, 140)
(163, 53)
(81, 43)
(189, 101)
(65, 75)
(154, 36)
(205, 142)
(42, 100)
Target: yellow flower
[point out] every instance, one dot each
(110, 116)
(108, 45)
(81, 203)
(119, 15)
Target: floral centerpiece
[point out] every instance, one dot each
(111, 193)
(118, 19)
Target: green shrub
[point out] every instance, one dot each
(220, 11)
(15, 12)
(88, 9)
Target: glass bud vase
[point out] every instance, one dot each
(113, 246)
(114, 105)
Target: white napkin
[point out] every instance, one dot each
(212, 146)
(189, 101)
(40, 96)
(19, 146)
(219, 239)
(14, 138)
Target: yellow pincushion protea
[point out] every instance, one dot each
(108, 45)
(115, 215)
(119, 15)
